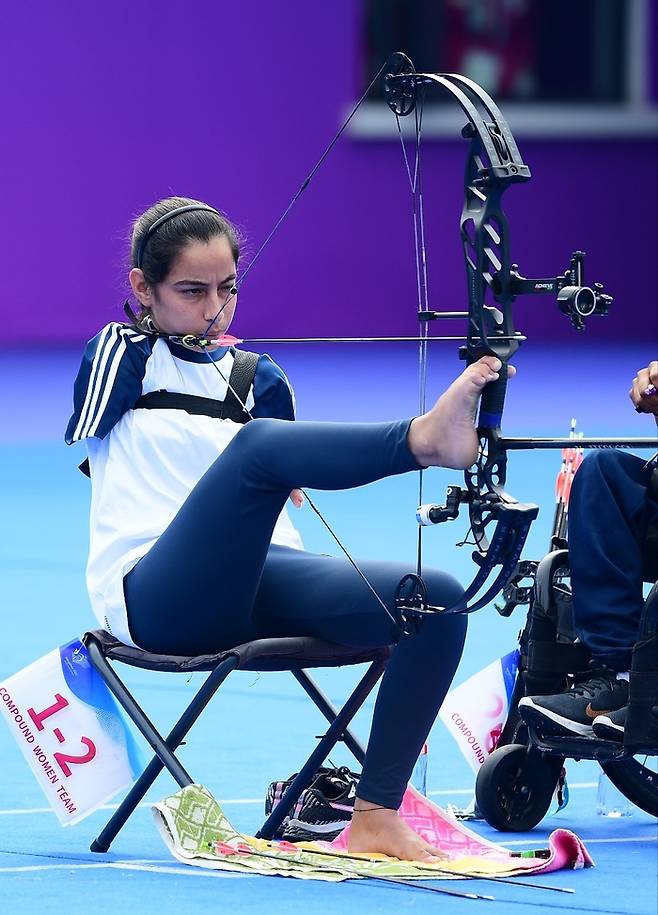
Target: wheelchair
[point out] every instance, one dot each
(516, 783)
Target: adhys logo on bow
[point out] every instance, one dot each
(493, 164)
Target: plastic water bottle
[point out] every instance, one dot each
(419, 775)
(610, 802)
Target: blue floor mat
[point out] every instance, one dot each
(260, 727)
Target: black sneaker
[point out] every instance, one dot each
(324, 809)
(611, 727)
(596, 693)
(617, 726)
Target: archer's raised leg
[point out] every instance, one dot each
(211, 556)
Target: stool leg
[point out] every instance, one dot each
(318, 756)
(330, 712)
(127, 806)
(139, 719)
(164, 748)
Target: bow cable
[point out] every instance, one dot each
(416, 187)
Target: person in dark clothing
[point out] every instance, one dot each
(613, 549)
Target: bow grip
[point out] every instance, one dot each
(493, 401)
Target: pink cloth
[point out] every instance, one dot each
(441, 829)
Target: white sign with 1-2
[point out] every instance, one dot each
(70, 730)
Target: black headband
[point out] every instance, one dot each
(139, 255)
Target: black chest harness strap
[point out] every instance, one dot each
(240, 381)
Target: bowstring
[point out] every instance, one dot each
(418, 217)
(424, 305)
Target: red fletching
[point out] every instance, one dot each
(225, 340)
(285, 846)
(223, 848)
(245, 849)
(575, 460)
(560, 483)
(571, 460)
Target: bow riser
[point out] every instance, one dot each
(484, 234)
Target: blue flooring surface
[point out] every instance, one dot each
(260, 727)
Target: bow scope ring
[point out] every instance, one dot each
(580, 300)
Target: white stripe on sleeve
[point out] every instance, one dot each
(99, 390)
(105, 345)
(107, 388)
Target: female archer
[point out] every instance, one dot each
(191, 548)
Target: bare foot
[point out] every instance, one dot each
(446, 436)
(376, 830)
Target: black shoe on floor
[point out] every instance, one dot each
(324, 809)
(596, 693)
(611, 727)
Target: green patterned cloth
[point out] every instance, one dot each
(193, 824)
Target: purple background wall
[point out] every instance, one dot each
(106, 108)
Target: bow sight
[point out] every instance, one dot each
(574, 298)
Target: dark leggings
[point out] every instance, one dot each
(213, 580)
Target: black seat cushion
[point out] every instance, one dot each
(295, 653)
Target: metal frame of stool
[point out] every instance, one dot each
(293, 654)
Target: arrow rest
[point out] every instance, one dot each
(515, 594)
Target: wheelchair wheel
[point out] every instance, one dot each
(637, 779)
(514, 787)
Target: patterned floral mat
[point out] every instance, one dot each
(197, 832)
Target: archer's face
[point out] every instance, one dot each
(195, 290)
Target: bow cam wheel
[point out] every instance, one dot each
(400, 95)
